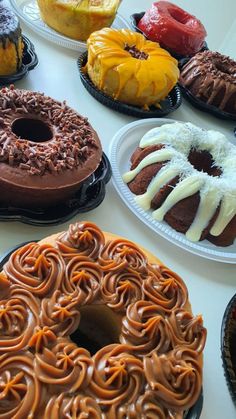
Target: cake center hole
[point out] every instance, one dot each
(32, 129)
(136, 53)
(203, 162)
(99, 326)
(178, 16)
(222, 67)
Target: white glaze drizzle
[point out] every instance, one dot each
(179, 139)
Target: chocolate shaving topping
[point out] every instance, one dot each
(72, 142)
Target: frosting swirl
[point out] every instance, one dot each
(120, 254)
(165, 288)
(84, 238)
(20, 390)
(82, 275)
(60, 313)
(65, 366)
(37, 268)
(148, 407)
(118, 378)
(176, 377)
(145, 328)
(121, 288)
(18, 318)
(74, 407)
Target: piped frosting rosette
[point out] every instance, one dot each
(86, 284)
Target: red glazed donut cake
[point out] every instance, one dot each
(187, 175)
(94, 326)
(211, 77)
(46, 149)
(173, 28)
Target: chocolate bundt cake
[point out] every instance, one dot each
(11, 44)
(211, 77)
(188, 176)
(92, 326)
(46, 150)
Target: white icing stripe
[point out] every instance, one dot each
(205, 212)
(226, 214)
(162, 178)
(161, 155)
(183, 189)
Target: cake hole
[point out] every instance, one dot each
(99, 326)
(178, 16)
(136, 53)
(202, 161)
(222, 67)
(32, 129)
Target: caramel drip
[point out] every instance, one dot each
(120, 254)
(144, 327)
(120, 289)
(186, 330)
(176, 377)
(18, 318)
(84, 238)
(20, 390)
(74, 407)
(165, 288)
(38, 269)
(65, 367)
(60, 314)
(118, 378)
(84, 276)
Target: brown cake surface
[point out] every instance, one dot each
(46, 149)
(211, 77)
(94, 326)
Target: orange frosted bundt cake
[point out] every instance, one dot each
(47, 150)
(127, 67)
(211, 77)
(11, 45)
(93, 326)
(78, 18)
(187, 175)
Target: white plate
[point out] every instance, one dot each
(122, 146)
(28, 11)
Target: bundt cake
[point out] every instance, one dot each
(127, 67)
(174, 28)
(47, 150)
(188, 176)
(78, 19)
(211, 77)
(11, 44)
(92, 326)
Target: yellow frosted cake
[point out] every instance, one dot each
(11, 45)
(127, 67)
(77, 19)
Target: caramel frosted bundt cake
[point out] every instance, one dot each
(46, 149)
(211, 77)
(11, 45)
(78, 18)
(94, 326)
(127, 67)
(188, 176)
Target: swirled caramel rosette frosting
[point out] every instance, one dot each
(92, 326)
(66, 367)
(18, 318)
(81, 238)
(37, 268)
(20, 389)
(78, 406)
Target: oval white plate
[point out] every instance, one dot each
(28, 11)
(122, 146)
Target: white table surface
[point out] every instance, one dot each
(211, 284)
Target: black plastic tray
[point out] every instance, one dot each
(170, 104)
(29, 61)
(88, 197)
(228, 346)
(135, 18)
